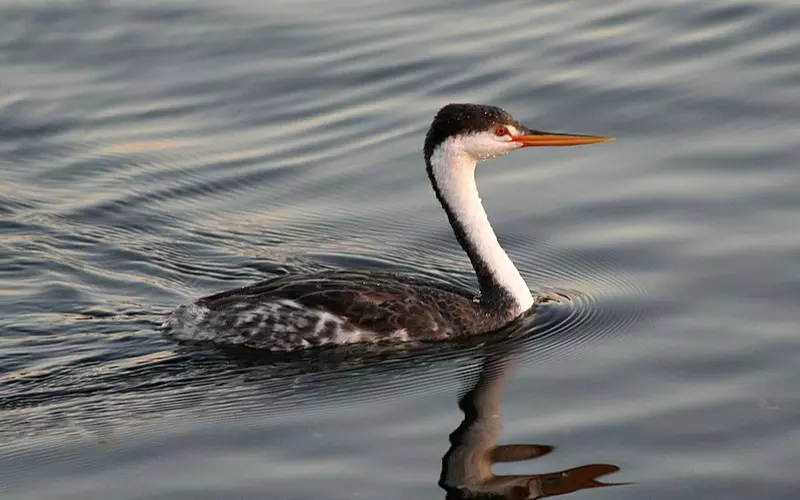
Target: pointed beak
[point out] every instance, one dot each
(534, 138)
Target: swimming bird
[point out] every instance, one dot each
(299, 311)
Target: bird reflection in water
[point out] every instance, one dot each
(467, 465)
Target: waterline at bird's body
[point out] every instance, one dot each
(343, 307)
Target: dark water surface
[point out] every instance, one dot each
(152, 152)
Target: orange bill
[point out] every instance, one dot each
(546, 139)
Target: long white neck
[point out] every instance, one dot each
(452, 172)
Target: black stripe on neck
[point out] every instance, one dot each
(493, 294)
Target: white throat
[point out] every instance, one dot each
(454, 172)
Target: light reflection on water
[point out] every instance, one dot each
(153, 153)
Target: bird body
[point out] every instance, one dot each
(342, 307)
(336, 307)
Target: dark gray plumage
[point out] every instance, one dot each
(310, 310)
(296, 311)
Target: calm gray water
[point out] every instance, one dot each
(152, 152)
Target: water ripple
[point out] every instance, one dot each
(151, 154)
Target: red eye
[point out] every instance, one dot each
(500, 131)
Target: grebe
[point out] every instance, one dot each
(348, 306)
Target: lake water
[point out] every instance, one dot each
(153, 152)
